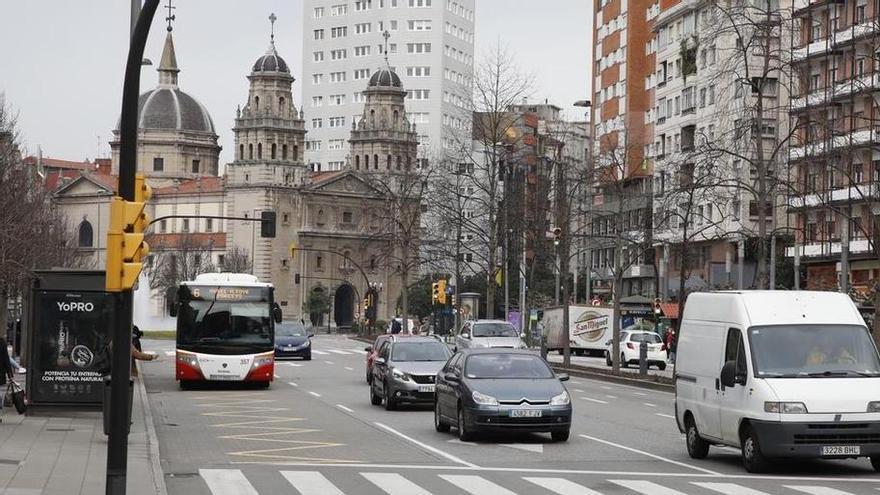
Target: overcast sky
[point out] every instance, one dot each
(62, 62)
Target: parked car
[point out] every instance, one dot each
(777, 374)
(405, 370)
(372, 352)
(476, 334)
(293, 340)
(630, 343)
(501, 389)
(411, 329)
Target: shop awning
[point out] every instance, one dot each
(669, 310)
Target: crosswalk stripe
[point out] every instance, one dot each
(562, 486)
(646, 487)
(817, 490)
(227, 482)
(320, 353)
(395, 484)
(170, 353)
(337, 351)
(476, 485)
(729, 489)
(311, 483)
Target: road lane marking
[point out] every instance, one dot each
(649, 404)
(311, 483)
(576, 382)
(426, 446)
(729, 488)
(170, 353)
(665, 415)
(395, 484)
(293, 365)
(537, 448)
(336, 351)
(476, 485)
(276, 376)
(603, 387)
(340, 406)
(227, 482)
(817, 490)
(611, 396)
(646, 487)
(648, 454)
(561, 486)
(292, 384)
(640, 394)
(316, 394)
(579, 391)
(320, 353)
(595, 400)
(349, 369)
(329, 362)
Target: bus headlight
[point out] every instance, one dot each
(263, 360)
(188, 359)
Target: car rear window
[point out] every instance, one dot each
(420, 351)
(494, 330)
(651, 338)
(504, 365)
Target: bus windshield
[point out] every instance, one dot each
(217, 323)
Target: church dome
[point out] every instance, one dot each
(171, 108)
(271, 62)
(385, 77)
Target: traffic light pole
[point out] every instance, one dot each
(117, 443)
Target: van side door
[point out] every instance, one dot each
(734, 400)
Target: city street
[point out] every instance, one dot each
(315, 430)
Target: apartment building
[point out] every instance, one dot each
(430, 45)
(833, 157)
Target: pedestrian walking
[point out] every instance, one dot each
(6, 371)
(671, 343)
(396, 327)
(136, 335)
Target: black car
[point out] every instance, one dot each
(405, 370)
(293, 340)
(501, 389)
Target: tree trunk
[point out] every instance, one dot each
(615, 322)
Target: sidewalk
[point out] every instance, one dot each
(599, 363)
(54, 452)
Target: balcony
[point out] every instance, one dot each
(639, 271)
(857, 138)
(842, 89)
(855, 192)
(829, 249)
(836, 40)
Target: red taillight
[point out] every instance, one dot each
(630, 346)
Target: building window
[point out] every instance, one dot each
(284, 152)
(209, 225)
(418, 48)
(272, 151)
(339, 32)
(163, 226)
(319, 262)
(336, 121)
(319, 34)
(195, 166)
(158, 164)
(317, 56)
(185, 225)
(346, 217)
(285, 218)
(251, 151)
(86, 234)
(259, 151)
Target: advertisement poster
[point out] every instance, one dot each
(72, 334)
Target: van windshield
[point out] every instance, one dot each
(819, 351)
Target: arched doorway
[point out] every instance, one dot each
(343, 306)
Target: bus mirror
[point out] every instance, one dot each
(276, 313)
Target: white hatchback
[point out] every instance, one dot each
(630, 341)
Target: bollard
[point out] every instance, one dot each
(643, 358)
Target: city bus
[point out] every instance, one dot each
(225, 329)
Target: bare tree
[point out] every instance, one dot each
(178, 258)
(236, 260)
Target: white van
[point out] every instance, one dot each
(777, 374)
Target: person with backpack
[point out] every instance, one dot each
(396, 327)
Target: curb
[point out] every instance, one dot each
(582, 372)
(152, 438)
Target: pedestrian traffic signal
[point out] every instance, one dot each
(267, 224)
(126, 248)
(441, 286)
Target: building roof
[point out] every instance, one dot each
(212, 240)
(205, 185)
(385, 77)
(324, 176)
(55, 163)
(271, 61)
(56, 181)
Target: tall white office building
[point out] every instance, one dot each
(430, 46)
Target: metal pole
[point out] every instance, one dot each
(773, 244)
(844, 262)
(797, 267)
(117, 442)
(135, 12)
(556, 277)
(741, 254)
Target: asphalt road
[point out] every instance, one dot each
(314, 432)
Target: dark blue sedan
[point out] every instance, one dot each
(293, 340)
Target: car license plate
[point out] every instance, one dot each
(223, 377)
(289, 348)
(426, 388)
(841, 450)
(525, 413)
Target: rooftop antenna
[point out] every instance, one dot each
(171, 17)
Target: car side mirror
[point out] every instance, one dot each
(276, 313)
(563, 377)
(368, 348)
(380, 361)
(465, 336)
(728, 374)
(450, 377)
(311, 334)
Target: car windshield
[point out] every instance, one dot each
(286, 329)
(420, 351)
(506, 366)
(651, 338)
(824, 351)
(494, 330)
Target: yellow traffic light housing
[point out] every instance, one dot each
(441, 285)
(126, 248)
(435, 292)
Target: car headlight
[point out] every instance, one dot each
(262, 360)
(561, 399)
(396, 373)
(874, 406)
(785, 407)
(483, 399)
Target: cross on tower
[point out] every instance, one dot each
(272, 20)
(386, 35)
(171, 17)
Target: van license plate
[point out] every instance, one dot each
(842, 450)
(426, 388)
(525, 413)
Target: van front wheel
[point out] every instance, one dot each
(753, 460)
(875, 462)
(697, 447)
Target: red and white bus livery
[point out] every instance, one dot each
(225, 329)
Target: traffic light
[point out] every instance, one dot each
(557, 235)
(453, 299)
(441, 285)
(435, 292)
(657, 308)
(267, 223)
(126, 248)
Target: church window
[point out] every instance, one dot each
(284, 152)
(158, 164)
(241, 152)
(357, 162)
(281, 104)
(247, 177)
(86, 234)
(376, 162)
(196, 166)
(388, 162)
(319, 262)
(296, 151)
(372, 262)
(259, 151)
(285, 218)
(273, 151)
(251, 151)
(346, 217)
(398, 162)
(366, 162)
(396, 117)
(257, 103)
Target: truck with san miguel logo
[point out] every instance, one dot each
(589, 328)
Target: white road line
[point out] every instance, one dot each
(426, 446)
(729, 488)
(576, 382)
(292, 384)
(646, 487)
(329, 362)
(340, 406)
(579, 391)
(640, 394)
(561, 486)
(603, 387)
(170, 353)
(337, 351)
(665, 415)
(320, 353)
(649, 404)
(611, 396)
(311, 483)
(349, 369)
(817, 490)
(276, 376)
(595, 400)
(227, 482)
(476, 485)
(648, 454)
(316, 394)
(293, 365)
(395, 484)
